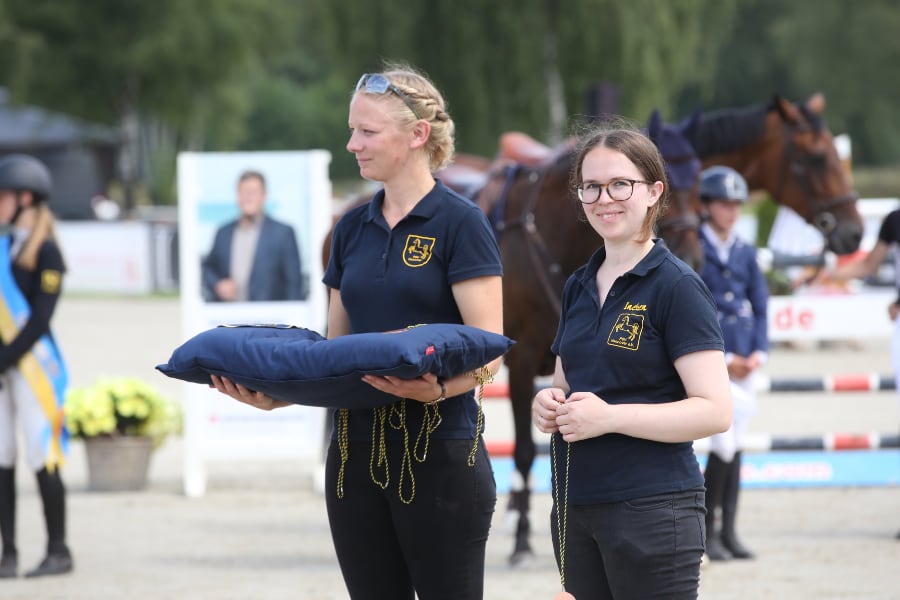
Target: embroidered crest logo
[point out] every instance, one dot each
(50, 280)
(626, 333)
(417, 251)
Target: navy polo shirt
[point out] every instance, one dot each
(394, 278)
(624, 353)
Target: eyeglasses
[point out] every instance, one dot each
(375, 83)
(619, 190)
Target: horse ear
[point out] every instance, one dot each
(654, 125)
(816, 103)
(785, 108)
(690, 124)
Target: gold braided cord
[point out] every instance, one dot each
(396, 417)
(430, 421)
(343, 433)
(406, 462)
(379, 447)
(483, 376)
(561, 509)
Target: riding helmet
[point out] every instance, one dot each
(20, 172)
(722, 183)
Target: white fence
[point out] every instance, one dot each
(121, 257)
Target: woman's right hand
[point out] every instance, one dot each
(543, 409)
(246, 395)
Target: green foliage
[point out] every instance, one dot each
(766, 210)
(121, 406)
(277, 74)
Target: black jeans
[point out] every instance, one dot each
(644, 548)
(433, 546)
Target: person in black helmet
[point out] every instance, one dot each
(32, 375)
(731, 272)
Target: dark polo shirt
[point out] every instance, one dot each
(394, 278)
(624, 353)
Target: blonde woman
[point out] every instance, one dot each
(409, 488)
(32, 375)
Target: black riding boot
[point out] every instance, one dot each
(729, 511)
(53, 495)
(9, 561)
(715, 476)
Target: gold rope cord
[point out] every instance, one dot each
(483, 376)
(379, 447)
(343, 432)
(398, 421)
(396, 417)
(430, 422)
(561, 522)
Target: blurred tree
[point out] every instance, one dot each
(849, 51)
(176, 65)
(277, 74)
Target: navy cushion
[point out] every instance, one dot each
(300, 366)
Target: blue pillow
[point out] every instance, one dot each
(300, 366)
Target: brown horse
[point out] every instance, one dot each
(787, 150)
(783, 148)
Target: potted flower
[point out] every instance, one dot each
(122, 420)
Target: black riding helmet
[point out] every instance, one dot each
(722, 183)
(20, 172)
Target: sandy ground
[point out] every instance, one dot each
(260, 530)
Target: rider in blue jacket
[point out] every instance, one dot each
(733, 276)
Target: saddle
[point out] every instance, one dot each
(469, 174)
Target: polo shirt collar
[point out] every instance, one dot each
(425, 208)
(653, 259)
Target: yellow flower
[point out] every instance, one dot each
(121, 406)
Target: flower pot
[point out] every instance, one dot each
(117, 464)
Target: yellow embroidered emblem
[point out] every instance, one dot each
(50, 280)
(417, 251)
(626, 333)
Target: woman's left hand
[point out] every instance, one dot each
(583, 415)
(424, 389)
(246, 395)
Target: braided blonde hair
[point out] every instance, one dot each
(430, 104)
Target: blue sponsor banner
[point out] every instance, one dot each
(768, 469)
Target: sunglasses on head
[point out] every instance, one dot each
(376, 83)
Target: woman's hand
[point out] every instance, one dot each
(424, 389)
(245, 395)
(583, 415)
(544, 409)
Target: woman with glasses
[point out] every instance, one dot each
(409, 487)
(640, 374)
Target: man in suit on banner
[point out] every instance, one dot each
(254, 258)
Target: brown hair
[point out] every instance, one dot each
(637, 148)
(251, 174)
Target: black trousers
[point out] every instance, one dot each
(643, 548)
(392, 548)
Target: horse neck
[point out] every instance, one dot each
(760, 162)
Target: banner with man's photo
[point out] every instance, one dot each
(251, 229)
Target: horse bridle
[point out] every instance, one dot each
(687, 220)
(543, 263)
(821, 216)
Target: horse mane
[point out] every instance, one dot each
(724, 130)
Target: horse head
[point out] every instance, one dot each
(679, 225)
(811, 178)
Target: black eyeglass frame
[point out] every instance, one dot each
(376, 83)
(580, 189)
